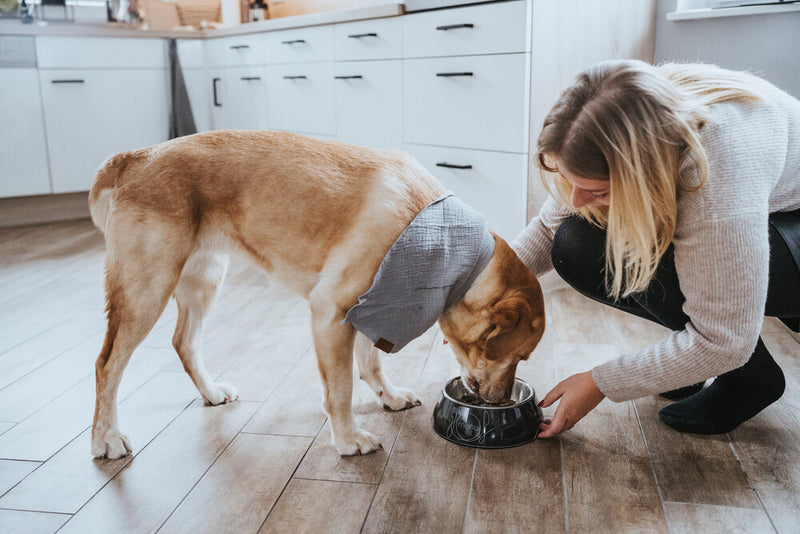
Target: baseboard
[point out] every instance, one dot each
(20, 211)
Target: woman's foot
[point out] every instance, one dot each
(682, 393)
(731, 399)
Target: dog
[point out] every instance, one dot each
(318, 216)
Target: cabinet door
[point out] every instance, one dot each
(92, 114)
(368, 100)
(239, 99)
(301, 98)
(23, 152)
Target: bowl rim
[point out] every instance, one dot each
(526, 400)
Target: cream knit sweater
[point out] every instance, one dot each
(721, 248)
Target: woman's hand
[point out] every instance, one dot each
(579, 395)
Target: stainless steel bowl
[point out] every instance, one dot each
(486, 426)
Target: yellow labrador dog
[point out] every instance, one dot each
(318, 216)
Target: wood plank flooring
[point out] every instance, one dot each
(265, 463)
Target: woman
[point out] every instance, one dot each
(673, 200)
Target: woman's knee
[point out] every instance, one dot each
(578, 254)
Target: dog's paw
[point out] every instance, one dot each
(220, 393)
(112, 446)
(359, 442)
(399, 399)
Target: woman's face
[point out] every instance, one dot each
(586, 192)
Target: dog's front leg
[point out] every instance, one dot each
(333, 343)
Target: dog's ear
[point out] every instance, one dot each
(513, 322)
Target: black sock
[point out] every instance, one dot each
(682, 393)
(731, 399)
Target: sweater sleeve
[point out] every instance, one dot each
(534, 243)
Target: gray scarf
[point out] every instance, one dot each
(428, 269)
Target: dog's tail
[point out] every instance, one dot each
(108, 177)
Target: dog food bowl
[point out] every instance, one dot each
(487, 426)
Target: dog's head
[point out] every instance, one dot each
(499, 322)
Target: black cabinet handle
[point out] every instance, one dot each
(217, 103)
(294, 77)
(454, 27)
(451, 74)
(237, 47)
(293, 41)
(250, 78)
(452, 166)
(360, 35)
(357, 77)
(66, 81)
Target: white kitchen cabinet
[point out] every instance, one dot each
(476, 102)
(23, 152)
(491, 182)
(301, 98)
(369, 39)
(311, 44)
(239, 99)
(369, 103)
(91, 114)
(466, 104)
(236, 51)
(496, 28)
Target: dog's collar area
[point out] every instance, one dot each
(429, 268)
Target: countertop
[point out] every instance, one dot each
(108, 29)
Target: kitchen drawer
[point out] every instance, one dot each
(368, 99)
(301, 98)
(299, 45)
(239, 51)
(487, 109)
(496, 28)
(494, 183)
(369, 39)
(100, 52)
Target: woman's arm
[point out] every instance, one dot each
(723, 268)
(534, 243)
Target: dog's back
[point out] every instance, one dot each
(280, 187)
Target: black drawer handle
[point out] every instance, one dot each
(250, 78)
(357, 77)
(360, 35)
(295, 77)
(454, 27)
(217, 103)
(451, 74)
(451, 166)
(66, 81)
(237, 47)
(294, 41)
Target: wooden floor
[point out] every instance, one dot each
(265, 462)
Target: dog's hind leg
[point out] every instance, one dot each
(197, 291)
(142, 269)
(369, 370)
(333, 343)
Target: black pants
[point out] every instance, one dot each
(579, 257)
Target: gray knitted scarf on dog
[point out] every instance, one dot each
(428, 269)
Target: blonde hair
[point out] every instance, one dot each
(636, 126)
